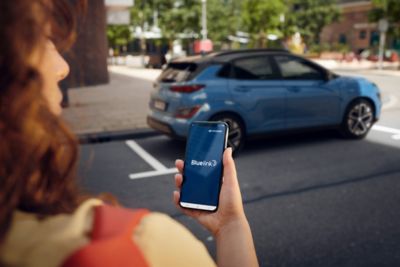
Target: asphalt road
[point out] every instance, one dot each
(312, 199)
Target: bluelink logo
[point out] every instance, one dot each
(204, 163)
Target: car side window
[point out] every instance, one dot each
(254, 68)
(297, 69)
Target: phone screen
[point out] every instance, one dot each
(202, 175)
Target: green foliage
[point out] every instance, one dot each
(225, 17)
(174, 17)
(309, 17)
(389, 9)
(261, 17)
(118, 35)
(329, 47)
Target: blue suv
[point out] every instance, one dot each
(260, 91)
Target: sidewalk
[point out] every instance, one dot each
(120, 106)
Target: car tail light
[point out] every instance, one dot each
(186, 88)
(187, 113)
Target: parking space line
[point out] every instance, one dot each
(395, 132)
(152, 161)
(160, 169)
(152, 173)
(386, 129)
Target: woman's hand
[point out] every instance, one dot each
(230, 211)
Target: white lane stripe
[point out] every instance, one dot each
(146, 156)
(152, 173)
(386, 129)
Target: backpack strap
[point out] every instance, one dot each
(112, 241)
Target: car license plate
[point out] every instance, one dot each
(160, 105)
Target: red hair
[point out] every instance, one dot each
(38, 153)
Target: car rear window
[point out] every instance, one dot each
(178, 72)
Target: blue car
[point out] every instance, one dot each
(260, 91)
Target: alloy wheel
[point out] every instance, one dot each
(360, 119)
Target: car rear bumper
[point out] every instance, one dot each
(176, 128)
(160, 126)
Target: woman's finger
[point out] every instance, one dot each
(178, 180)
(176, 199)
(179, 165)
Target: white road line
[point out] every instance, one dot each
(386, 129)
(146, 156)
(152, 173)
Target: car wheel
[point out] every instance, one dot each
(236, 135)
(358, 119)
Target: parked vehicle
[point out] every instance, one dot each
(260, 91)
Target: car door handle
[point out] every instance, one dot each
(242, 89)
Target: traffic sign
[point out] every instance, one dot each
(383, 25)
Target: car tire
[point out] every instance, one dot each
(358, 119)
(236, 137)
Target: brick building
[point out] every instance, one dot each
(353, 29)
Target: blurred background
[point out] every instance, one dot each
(312, 198)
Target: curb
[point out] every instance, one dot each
(90, 138)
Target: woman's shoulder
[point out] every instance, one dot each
(56, 240)
(46, 242)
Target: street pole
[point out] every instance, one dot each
(382, 39)
(142, 40)
(383, 26)
(204, 19)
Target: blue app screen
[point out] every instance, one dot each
(203, 164)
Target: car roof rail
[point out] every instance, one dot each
(230, 52)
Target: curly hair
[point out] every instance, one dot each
(38, 153)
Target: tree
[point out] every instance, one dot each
(389, 9)
(309, 17)
(223, 19)
(174, 16)
(88, 56)
(118, 35)
(262, 17)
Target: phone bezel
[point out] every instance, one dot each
(200, 206)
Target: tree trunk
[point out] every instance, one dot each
(88, 56)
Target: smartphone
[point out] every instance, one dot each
(203, 168)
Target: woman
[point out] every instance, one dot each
(45, 220)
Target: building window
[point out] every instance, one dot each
(342, 38)
(362, 34)
(374, 38)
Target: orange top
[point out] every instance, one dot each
(100, 235)
(111, 240)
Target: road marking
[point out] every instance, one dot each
(385, 129)
(152, 161)
(152, 173)
(160, 169)
(395, 132)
